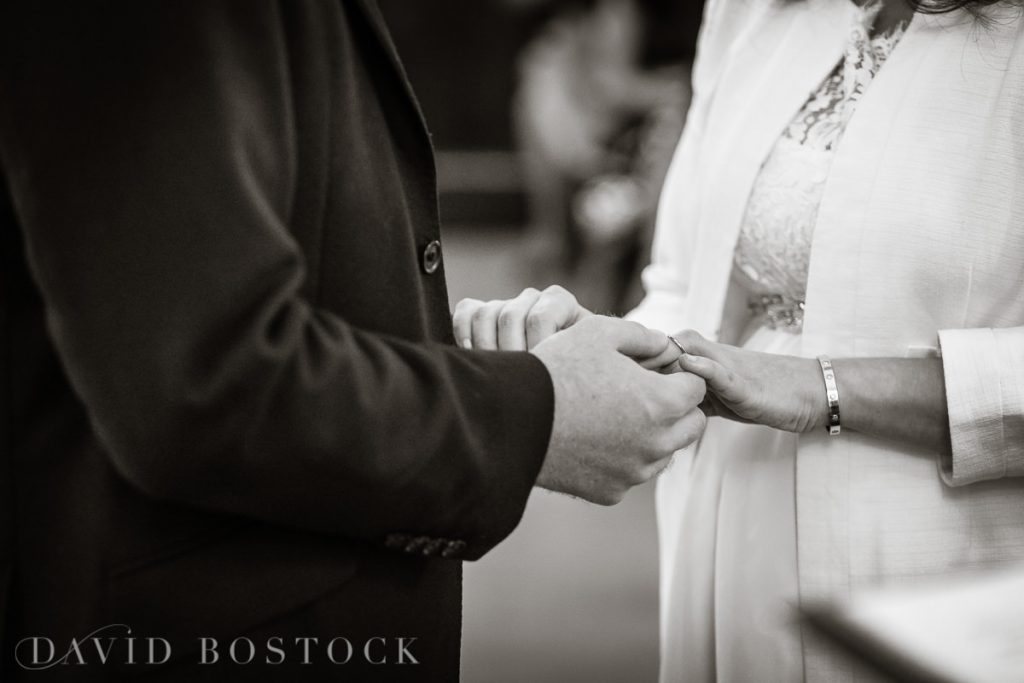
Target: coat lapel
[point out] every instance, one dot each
(763, 82)
(375, 21)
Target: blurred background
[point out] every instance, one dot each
(554, 123)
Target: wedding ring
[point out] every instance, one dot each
(678, 345)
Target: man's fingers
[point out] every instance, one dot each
(655, 469)
(663, 360)
(462, 321)
(687, 388)
(512, 321)
(695, 344)
(485, 326)
(632, 339)
(687, 430)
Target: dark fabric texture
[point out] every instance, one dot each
(228, 377)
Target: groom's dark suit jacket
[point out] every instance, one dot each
(230, 400)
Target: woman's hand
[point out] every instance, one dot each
(516, 324)
(520, 324)
(784, 392)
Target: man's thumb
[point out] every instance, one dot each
(635, 340)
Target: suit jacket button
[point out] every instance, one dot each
(453, 548)
(416, 543)
(434, 547)
(432, 257)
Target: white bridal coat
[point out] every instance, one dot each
(918, 249)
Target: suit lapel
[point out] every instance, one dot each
(375, 21)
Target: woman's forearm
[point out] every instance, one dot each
(894, 398)
(903, 399)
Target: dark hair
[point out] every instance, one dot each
(975, 7)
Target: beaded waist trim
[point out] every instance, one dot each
(778, 312)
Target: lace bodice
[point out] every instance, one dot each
(773, 251)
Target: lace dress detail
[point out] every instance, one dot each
(773, 251)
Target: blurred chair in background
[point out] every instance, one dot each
(603, 92)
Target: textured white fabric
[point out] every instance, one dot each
(774, 245)
(919, 230)
(984, 371)
(733, 583)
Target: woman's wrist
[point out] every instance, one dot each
(895, 398)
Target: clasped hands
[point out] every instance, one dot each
(626, 397)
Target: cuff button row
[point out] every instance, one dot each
(425, 545)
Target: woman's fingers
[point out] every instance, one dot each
(713, 406)
(720, 379)
(512, 321)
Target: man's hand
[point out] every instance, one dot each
(616, 424)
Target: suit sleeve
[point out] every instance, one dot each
(149, 151)
(984, 373)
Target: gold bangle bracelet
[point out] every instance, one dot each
(831, 394)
